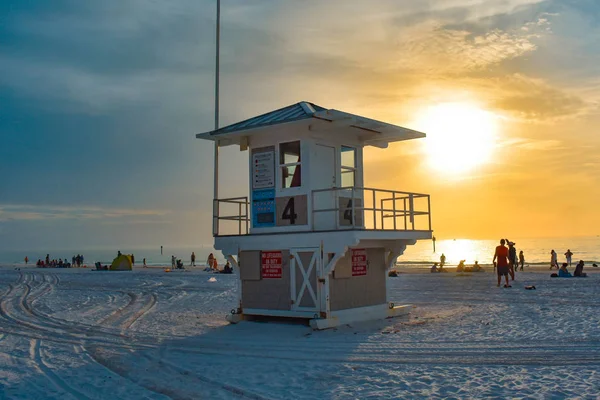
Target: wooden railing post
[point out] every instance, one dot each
(411, 203)
(404, 201)
(374, 212)
(429, 210)
(394, 208)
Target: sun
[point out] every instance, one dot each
(460, 136)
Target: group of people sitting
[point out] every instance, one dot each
(76, 261)
(176, 263)
(435, 268)
(213, 266)
(53, 264)
(563, 272)
(459, 268)
(475, 268)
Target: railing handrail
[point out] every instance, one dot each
(406, 210)
(358, 188)
(241, 217)
(242, 199)
(404, 205)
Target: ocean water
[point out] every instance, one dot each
(106, 255)
(536, 250)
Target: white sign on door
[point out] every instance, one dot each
(263, 170)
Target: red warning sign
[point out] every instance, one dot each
(271, 264)
(359, 262)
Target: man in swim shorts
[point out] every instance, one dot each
(501, 265)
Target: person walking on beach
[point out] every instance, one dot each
(144, 262)
(512, 259)
(442, 260)
(193, 259)
(521, 259)
(568, 256)
(553, 260)
(501, 255)
(172, 261)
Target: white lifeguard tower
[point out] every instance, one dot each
(312, 241)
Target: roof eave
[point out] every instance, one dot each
(215, 135)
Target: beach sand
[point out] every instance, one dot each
(77, 333)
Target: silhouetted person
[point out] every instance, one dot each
(521, 259)
(579, 269)
(568, 256)
(512, 259)
(501, 265)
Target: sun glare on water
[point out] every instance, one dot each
(460, 136)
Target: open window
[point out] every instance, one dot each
(348, 172)
(290, 164)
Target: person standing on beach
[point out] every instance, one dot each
(501, 265)
(553, 259)
(26, 260)
(193, 259)
(144, 262)
(568, 256)
(521, 259)
(442, 260)
(172, 261)
(132, 259)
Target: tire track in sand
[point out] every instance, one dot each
(135, 309)
(16, 308)
(43, 367)
(170, 373)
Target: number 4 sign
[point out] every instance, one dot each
(291, 210)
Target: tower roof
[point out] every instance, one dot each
(372, 132)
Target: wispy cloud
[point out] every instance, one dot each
(531, 144)
(14, 212)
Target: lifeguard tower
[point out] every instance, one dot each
(312, 241)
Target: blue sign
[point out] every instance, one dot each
(263, 208)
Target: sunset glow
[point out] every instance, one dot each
(460, 136)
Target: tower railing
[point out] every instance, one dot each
(371, 209)
(242, 217)
(345, 208)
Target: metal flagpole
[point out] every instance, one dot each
(216, 166)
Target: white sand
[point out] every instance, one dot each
(149, 334)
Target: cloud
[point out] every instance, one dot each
(432, 49)
(24, 212)
(534, 99)
(533, 144)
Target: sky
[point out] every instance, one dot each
(100, 102)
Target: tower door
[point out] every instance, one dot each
(323, 177)
(304, 269)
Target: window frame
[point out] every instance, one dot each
(347, 169)
(280, 166)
